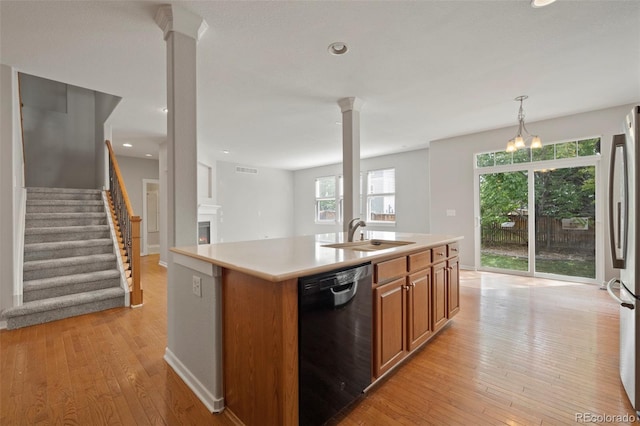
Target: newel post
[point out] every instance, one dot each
(136, 293)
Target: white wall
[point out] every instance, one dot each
(254, 206)
(6, 186)
(133, 170)
(412, 193)
(452, 170)
(11, 188)
(164, 204)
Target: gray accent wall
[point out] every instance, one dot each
(62, 125)
(105, 104)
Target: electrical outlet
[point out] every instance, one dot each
(197, 286)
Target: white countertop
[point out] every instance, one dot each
(280, 259)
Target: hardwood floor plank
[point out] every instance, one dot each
(522, 351)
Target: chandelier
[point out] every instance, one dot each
(523, 137)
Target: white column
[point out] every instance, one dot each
(350, 108)
(182, 30)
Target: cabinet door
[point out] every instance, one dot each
(418, 308)
(390, 348)
(453, 286)
(439, 295)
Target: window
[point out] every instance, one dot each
(326, 199)
(381, 196)
(553, 151)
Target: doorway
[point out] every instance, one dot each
(540, 218)
(150, 216)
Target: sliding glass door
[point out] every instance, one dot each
(565, 218)
(504, 242)
(537, 211)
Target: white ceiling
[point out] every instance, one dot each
(267, 87)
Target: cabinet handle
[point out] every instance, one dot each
(454, 249)
(406, 287)
(440, 253)
(412, 284)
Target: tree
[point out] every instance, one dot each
(502, 194)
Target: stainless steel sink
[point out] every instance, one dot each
(369, 245)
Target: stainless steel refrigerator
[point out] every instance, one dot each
(624, 231)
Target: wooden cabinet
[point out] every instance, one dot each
(390, 345)
(418, 308)
(414, 297)
(439, 295)
(403, 308)
(453, 286)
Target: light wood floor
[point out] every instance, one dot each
(521, 351)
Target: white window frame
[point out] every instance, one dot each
(318, 199)
(371, 195)
(339, 199)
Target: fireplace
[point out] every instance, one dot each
(204, 232)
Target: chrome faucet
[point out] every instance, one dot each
(353, 225)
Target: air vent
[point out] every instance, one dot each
(246, 170)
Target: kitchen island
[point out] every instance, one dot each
(233, 311)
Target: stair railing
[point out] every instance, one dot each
(129, 226)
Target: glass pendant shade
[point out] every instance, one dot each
(536, 142)
(519, 142)
(511, 146)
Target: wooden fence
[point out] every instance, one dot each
(550, 235)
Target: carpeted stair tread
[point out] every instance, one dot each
(67, 261)
(40, 220)
(69, 248)
(70, 279)
(45, 305)
(63, 190)
(65, 233)
(65, 206)
(63, 194)
(74, 244)
(64, 203)
(66, 229)
(70, 215)
(47, 288)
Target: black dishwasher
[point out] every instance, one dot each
(334, 321)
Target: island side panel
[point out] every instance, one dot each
(194, 327)
(260, 351)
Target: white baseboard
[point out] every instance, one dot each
(3, 325)
(162, 263)
(214, 404)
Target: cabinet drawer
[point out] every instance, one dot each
(390, 269)
(452, 249)
(439, 253)
(419, 260)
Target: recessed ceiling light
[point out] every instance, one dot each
(225, 151)
(338, 122)
(541, 3)
(165, 109)
(148, 155)
(127, 145)
(338, 48)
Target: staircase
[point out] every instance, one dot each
(69, 263)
